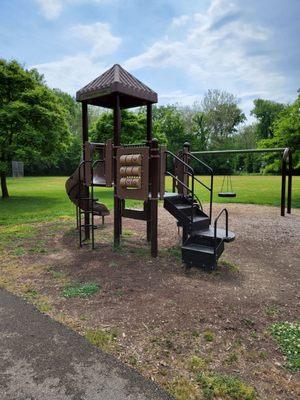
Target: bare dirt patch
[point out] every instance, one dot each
(162, 315)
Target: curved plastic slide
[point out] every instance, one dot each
(73, 187)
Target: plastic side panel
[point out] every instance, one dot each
(142, 191)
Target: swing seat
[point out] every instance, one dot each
(227, 194)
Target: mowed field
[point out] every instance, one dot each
(37, 199)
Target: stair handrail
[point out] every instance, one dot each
(191, 173)
(201, 162)
(210, 189)
(224, 210)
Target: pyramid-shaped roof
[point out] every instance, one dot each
(116, 80)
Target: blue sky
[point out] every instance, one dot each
(180, 48)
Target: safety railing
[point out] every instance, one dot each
(216, 246)
(190, 172)
(209, 188)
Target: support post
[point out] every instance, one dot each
(86, 191)
(149, 139)
(147, 211)
(283, 184)
(149, 123)
(290, 175)
(117, 201)
(154, 168)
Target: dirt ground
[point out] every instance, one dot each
(164, 315)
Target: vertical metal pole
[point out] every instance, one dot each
(117, 205)
(154, 167)
(186, 150)
(290, 177)
(149, 138)
(85, 138)
(283, 179)
(211, 197)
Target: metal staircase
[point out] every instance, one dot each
(202, 243)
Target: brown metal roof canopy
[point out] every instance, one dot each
(116, 80)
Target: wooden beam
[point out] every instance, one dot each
(149, 123)
(154, 170)
(117, 200)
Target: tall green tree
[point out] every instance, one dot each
(266, 112)
(32, 119)
(222, 116)
(169, 127)
(201, 131)
(286, 133)
(133, 128)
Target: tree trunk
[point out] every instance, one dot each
(4, 185)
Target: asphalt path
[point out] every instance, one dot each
(41, 359)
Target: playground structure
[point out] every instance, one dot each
(138, 172)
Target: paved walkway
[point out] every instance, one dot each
(41, 359)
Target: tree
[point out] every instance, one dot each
(32, 119)
(246, 138)
(168, 127)
(222, 116)
(266, 112)
(286, 133)
(73, 111)
(201, 131)
(133, 127)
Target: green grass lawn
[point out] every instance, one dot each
(37, 199)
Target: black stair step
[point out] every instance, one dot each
(210, 233)
(199, 248)
(201, 254)
(170, 195)
(198, 218)
(183, 206)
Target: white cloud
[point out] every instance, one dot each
(180, 21)
(50, 9)
(72, 72)
(178, 96)
(98, 37)
(218, 50)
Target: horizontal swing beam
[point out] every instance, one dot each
(280, 149)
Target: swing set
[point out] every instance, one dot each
(286, 172)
